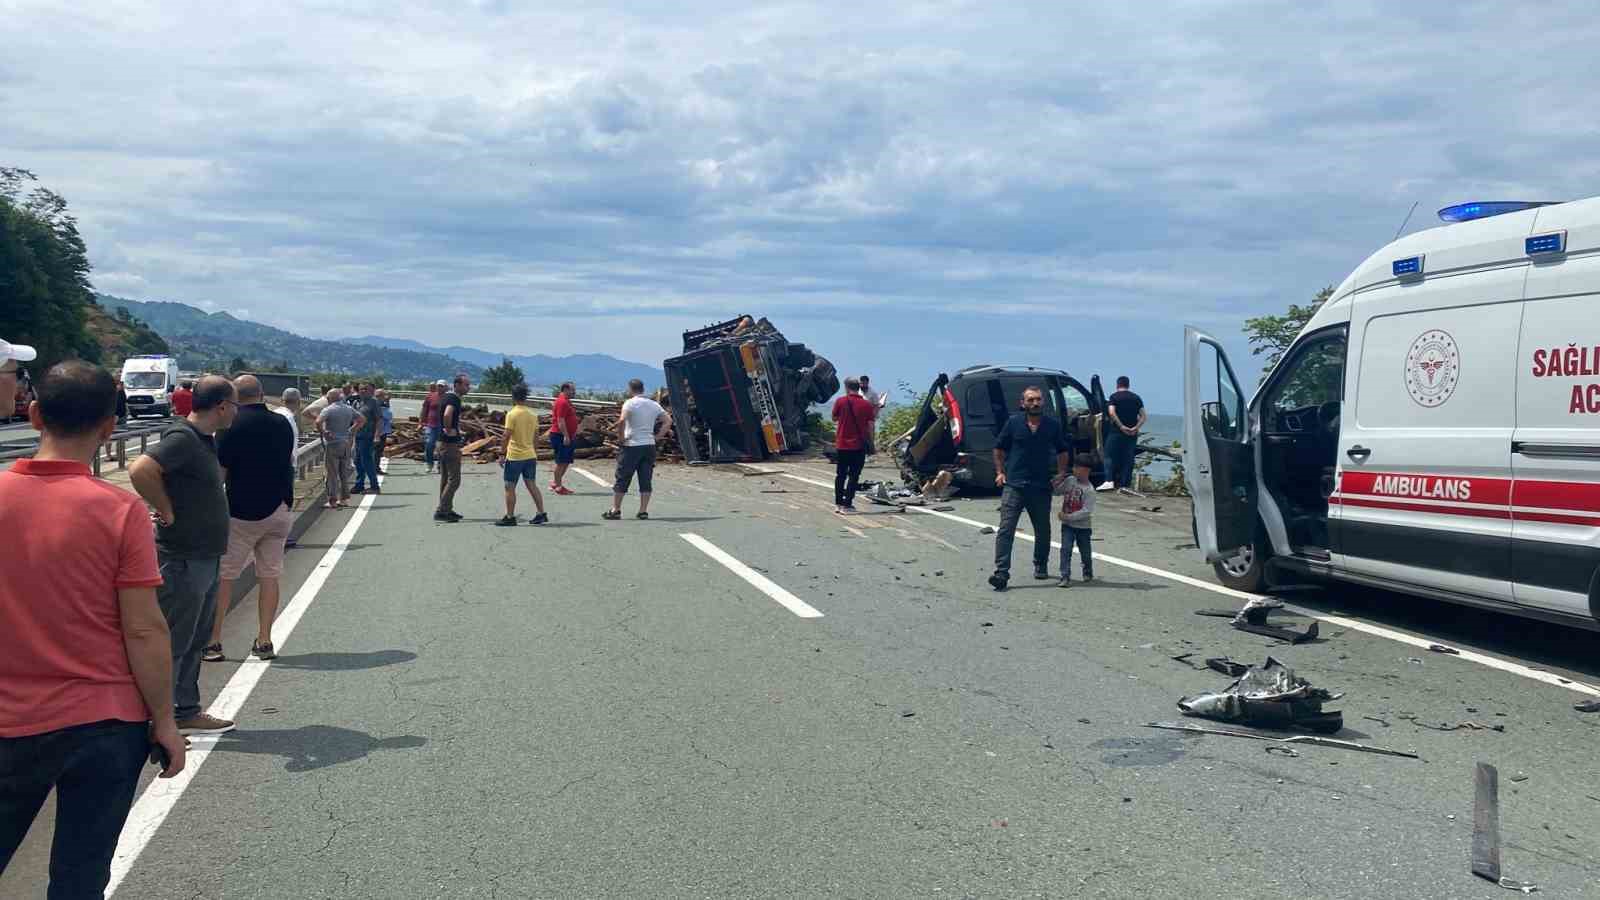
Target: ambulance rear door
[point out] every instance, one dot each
(1556, 447)
(1218, 455)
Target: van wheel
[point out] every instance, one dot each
(1245, 571)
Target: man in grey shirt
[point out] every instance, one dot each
(182, 481)
(337, 422)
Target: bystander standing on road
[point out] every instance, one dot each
(520, 458)
(1128, 416)
(11, 357)
(448, 453)
(1077, 520)
(260, 510)
(878, 399)
(367, 441)
(181, 479)
(86, 675)
(314, 408)
(183, 399)
(352, 396)
(385, 428)
(1030, 455)
(290, 410)
(853, 416)
(642, 423)
(563, 433)
(429, 418)
(122, 415)
(336, 424)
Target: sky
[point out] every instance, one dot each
(908, 188)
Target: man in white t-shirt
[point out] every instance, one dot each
(642, 423)
(878, 399)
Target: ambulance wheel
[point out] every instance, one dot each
(1247, 570)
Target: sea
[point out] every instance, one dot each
(1161, 431)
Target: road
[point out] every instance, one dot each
(599, 709)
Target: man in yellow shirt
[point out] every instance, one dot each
(520, 458)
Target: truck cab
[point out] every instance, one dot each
(149, 382)
(1434, 429)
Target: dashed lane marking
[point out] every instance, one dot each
(1422, 642)
(761, 582)
(591, 476)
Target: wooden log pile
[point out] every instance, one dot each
(484, 430)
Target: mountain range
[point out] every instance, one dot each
(586, 370)
(205, 341)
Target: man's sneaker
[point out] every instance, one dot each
(446, 517)
(205, 724)
(263, 650)
(453, 516)
(505, 520)
(1064, 582)
(358, 489)
(1087, 578)
(1041, 574)
(540, 519)
(998, 581)
(213, 653)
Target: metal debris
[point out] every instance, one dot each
(1227, 666)
(1252, 617)
(1295, 739)
(1269, 695)
(1486, 830)
(1440, 648)
(1587, 706)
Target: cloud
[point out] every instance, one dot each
(870, 176)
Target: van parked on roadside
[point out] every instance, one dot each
(1434, 429)
(149, 381)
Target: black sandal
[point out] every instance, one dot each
(262, 651)
(642, 515)
(611, 515)
(212, 653)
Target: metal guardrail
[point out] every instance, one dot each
(307, 456)
(505, 399)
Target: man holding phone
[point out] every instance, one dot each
(86, 676)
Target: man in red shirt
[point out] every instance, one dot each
(183, 399)
(853, 418)
(563, 432)
(429, 417)
(86, 674)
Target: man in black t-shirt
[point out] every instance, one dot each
(1127, 414)
(449, 450)
(182, 481)
(256, 453)
(366, 453)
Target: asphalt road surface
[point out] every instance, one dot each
(612, 709)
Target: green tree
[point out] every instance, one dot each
(502, 378)
(1272, 335)
(44, 272)
(237, 365)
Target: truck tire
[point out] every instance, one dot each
(1248, 570)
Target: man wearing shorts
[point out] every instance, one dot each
(520, 458)
(563, 432)
(255, 456)
(643, 421)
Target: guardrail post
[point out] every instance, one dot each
(122, 453)
(97, 462)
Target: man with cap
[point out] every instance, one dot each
(11, 356)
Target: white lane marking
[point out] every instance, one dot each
(1482, 659)
(1493, 662)
(157, 801)
(825, 484)
(591, 476)
(761, 582)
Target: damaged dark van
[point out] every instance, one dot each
(961, 417)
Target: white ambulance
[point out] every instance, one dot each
(1435, 429)
(149, 381)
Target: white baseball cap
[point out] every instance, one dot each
(441, 383)
(18, 352)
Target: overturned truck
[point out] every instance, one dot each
(741, 391)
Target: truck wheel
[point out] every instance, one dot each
(1246, 571)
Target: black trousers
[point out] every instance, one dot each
(1012, 504)
(847, 474)
(94, 769)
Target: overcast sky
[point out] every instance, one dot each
(908, 188)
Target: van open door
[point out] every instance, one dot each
(1218, 455)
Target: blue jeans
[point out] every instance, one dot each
(430, 436)
(94, 769)
(1081, 538)
(365, 462)
(1120, 449)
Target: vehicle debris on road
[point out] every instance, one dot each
(1440, 648)
(1269, 695)
(1252, 617)
(1313, 739)
(1446, 726)
(1587, 706)
(1486, 829)
(483, 431)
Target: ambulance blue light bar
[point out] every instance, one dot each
(1410, 267)
(1546, 244)
(1466, 212)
